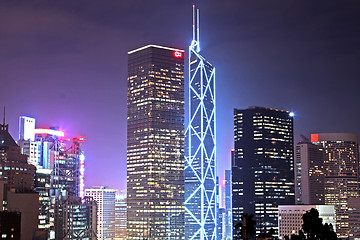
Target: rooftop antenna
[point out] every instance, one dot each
(198, 30)
(4, 127)
(193, 25)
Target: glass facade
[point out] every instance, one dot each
(120, 217)
(262, 171)
(105, 200)
(155, 143)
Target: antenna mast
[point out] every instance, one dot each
(196, 28)
(193, 25)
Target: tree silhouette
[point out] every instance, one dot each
(246, 227)
(313, 228)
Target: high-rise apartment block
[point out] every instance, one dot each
(105, 201)
(309, 173)
(341, 174)
(200, 171)
(262, 171)
(155, 143)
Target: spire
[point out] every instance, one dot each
(196, 28)
(4, 127)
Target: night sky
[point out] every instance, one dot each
(65, 63)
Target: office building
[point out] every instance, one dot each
(59, 175)
(341, 174)
(263, 166)
(309, 173)
(105, 200)
(80, 220)
(200, 153)
(26, 128)
(17, 182)
(43, 187)
(10, 225)
(354, 217)
(155, 143)
(120, 217)
(290, 217)
(14, 168)
(228, 206)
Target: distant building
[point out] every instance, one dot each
(13, 165)
(341, 174)
(105, 200)
(27, 204)
(16, 184)
(80, 221)
(228, 207)
(155, 143)
(43, 187)
(26, 128)
(120, 217)
(221, 223)
(309, 173)
(263, 168)
(59, 175)
(354, 217)
(290, 217)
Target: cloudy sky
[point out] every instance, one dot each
(65, 63)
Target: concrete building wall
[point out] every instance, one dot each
(28, 205)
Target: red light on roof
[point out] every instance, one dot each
(178, 54)
(314, 137)
(81, 139)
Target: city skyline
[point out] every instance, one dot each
(297, 62)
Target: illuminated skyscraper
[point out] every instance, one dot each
(155, 143)
(105, 201)
(262, 171)
(200, 153)
(59, 175)
(120, 216)
(309, 173)
(228, 206)
(341, 173)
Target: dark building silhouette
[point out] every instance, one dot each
(16, 184)
(10, 225)
(262, 171)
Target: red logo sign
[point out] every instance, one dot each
(178, 54)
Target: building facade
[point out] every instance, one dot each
(59, 175)
(354, 217)
(120, 217)
(105, 201)
(200, 155)
(309, 173)
(263, 166)
(155, 143)
(228, 206)
(341, 174)
(290, 217)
